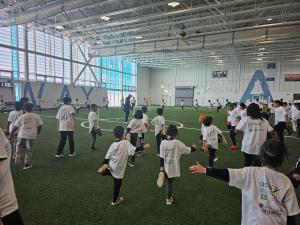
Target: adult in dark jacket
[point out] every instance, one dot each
(127, 107)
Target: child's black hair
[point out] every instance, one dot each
(273, 153)
(265, 115)
(243, 106)
(24, 100)
(67, 100)
(207, 121)
(172, 131)
(118, 132)
(138, 114)
(28, 107)
(253, 111)
(93, 106)
(159, 111)
(279, 102)
(144, 109)
(18, 106)
(285, 104)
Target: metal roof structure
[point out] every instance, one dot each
(164, 33)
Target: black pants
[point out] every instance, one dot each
(117, 187)
(232, 135)
(211, 157)
(251, 160)
(279, 128)
(127, 112)
(169, 186)
(12, 219)
(218, 108)
(182, 107)
(159, 137)
(133, 141)
(298, 126)
(94, 138)
(132, 106)
(63, 138)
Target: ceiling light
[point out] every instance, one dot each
(138, 37)
(298, 59)
(58, 27)
(99, 42)
(220, 61)
(269, 19)
(173, 4)
(259, 59)
(106, 18)
(260, 54)
(261, 49)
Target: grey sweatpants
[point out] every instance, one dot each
(24, 150)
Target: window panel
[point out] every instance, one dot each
(5, 35)
(21, 36)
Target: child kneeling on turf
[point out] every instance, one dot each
(30, 126)
(171, 150)
(268, 196)
(210, 139)
(116, 159)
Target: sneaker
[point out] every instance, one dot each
(119, 201)
(216, 159)
(60, 155)
(169, 201)
(140, 154)
(234, 147)
(131, 164)
(27, 166)
(71, 155)
(160, 179)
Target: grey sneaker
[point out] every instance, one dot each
(27, 166)
(169, 201)
(131, 164)
(60, 155)
(216, 159)
(71, 155)
(119, 201)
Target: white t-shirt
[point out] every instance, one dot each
(12, 118)
(133, 101)
(8, 200)
(93, 121)
(28, 125)
(288, 110)
(171, 151)
(118, 154)
(210, 135)
(182, 103)
(233, 117)
(145, 121)
(243, 113)
(136, 125)
(294, 111)
(255, 134)
(268, 197)
(157, 122)
(280, 114)
(65, 116)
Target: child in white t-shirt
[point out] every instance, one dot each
(134, 129)
(281, 119)
(9, 209)
(182, 104)
(210, 139)
(12, 118)
(171, 151)
(116, 159)
(233, 119)
(268, 196)
(159, 126)
(29, 126)
(145, 127)
(243, 110)
(255, 129)
(94, 128)
(66, 125)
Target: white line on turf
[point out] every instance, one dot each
(112, 120)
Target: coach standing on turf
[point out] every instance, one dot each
(127, 107)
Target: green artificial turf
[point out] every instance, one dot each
(68, 191)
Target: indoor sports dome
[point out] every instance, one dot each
(149, 112)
